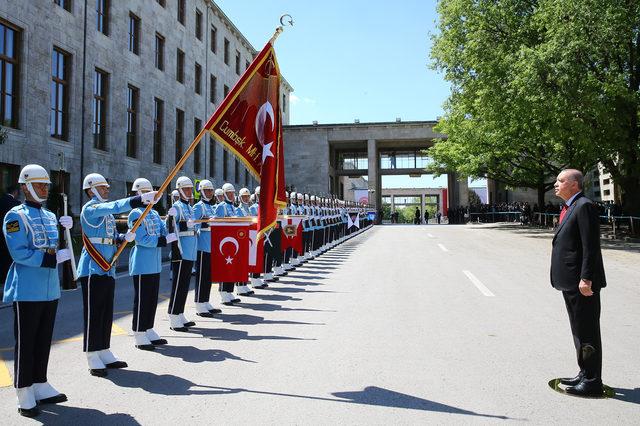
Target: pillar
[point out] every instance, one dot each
(373, 175)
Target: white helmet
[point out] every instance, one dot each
(218, 192)
(93, 180)
(175, 195)
(205, 184)
(306, 197)
(141, 184)
(33, 173)
(181, 183)
(293, 196)
(257, 190)
(300, 196)
(226, 188)
(252, 198)
(244, 192)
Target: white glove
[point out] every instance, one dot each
(149, 197)
(63, 255)
(172, 211)
(66, 222)
(171, 237)
(129, 236)
(190, 223)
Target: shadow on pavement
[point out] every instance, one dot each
(628, 395)
(269, 307)
(300, 290)
(274, 297)
(231, 335)
(59, 414)
(196, 355)
(244, 319)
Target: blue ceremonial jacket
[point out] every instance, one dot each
(245, 209)
(97, 221)
(204, 210)
(187, 236)
(146, 256)
(254, 209)
(31, 233)
(225, 209)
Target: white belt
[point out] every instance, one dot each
(205, 229)
(186, 234)
(97, 240)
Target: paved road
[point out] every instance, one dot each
(401, 325)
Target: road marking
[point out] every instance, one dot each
(5, 376)
(443, 248)
(483, 289)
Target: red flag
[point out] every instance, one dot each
(291, 234)
(256, 250)
(229, 252)
(248, 123)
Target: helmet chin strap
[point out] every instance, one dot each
(182, 194)
(204, 197)
(227, 198)
(33, 193)
(95, 192)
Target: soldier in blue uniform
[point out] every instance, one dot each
(97, 278)
(256, 281)
(33, 288)
(203, 210)
(145, 265)
(227, 209)
(183, 253)
(244, 210)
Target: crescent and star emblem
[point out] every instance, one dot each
(233, 241)
(266, 110)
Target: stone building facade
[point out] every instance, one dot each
(119, 88)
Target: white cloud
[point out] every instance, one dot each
(295, 100)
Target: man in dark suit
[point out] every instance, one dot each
(578, 271)
(8, 200)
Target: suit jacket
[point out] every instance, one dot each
(576, 250)
(7, 202)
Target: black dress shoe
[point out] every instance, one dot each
(204, 314)
(572, 381)
(183, 329)
(189, 324)
(284, 274)
(587, 388)
(29, 412)
(117, 364)
(236, 300)
(247, 293)
(159, 342)
(98, 372)
(273, 280)
(215, 311)
(146, 347)
(228, 303)
(261, 286)
(53, 399)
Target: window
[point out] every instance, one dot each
(9, 75)
(214, 39)
(161, 3)
(197, 125)
(226, 90)
(133, 94)
(65, 4)
(607, 192)
(102, 16)
(284, 103)
(212, 156)
(179, 134)
(596, 193)
(158, 112)
(181, 9)
(236, 171)
(60, 66)
(100, 81)
(213, 82)
(180, 66)
(606, 181)
(198, 24)
(246, 177)
(352, 160)
(237, 62)
(198, 79)
(134, 34)
(246, 65)
(159, 52)
(225, 165)
(226, 51)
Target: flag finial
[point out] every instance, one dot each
(285, 20)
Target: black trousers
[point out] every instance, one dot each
(287, 255)
(145, 301)
(272, 253)
(181, 271)
(203, 277)
(97, 300)
(32, 328)
(227, 286)
(584, 317)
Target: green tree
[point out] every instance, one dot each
(533, 90)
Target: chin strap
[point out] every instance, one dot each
(95, 192)
(34, 194)
(182, 194)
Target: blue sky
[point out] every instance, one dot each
(350, 59)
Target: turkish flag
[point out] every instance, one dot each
(248, 123)
(256, 250)
(229, 252)
(291, 229)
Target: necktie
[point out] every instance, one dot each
(563, 212)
